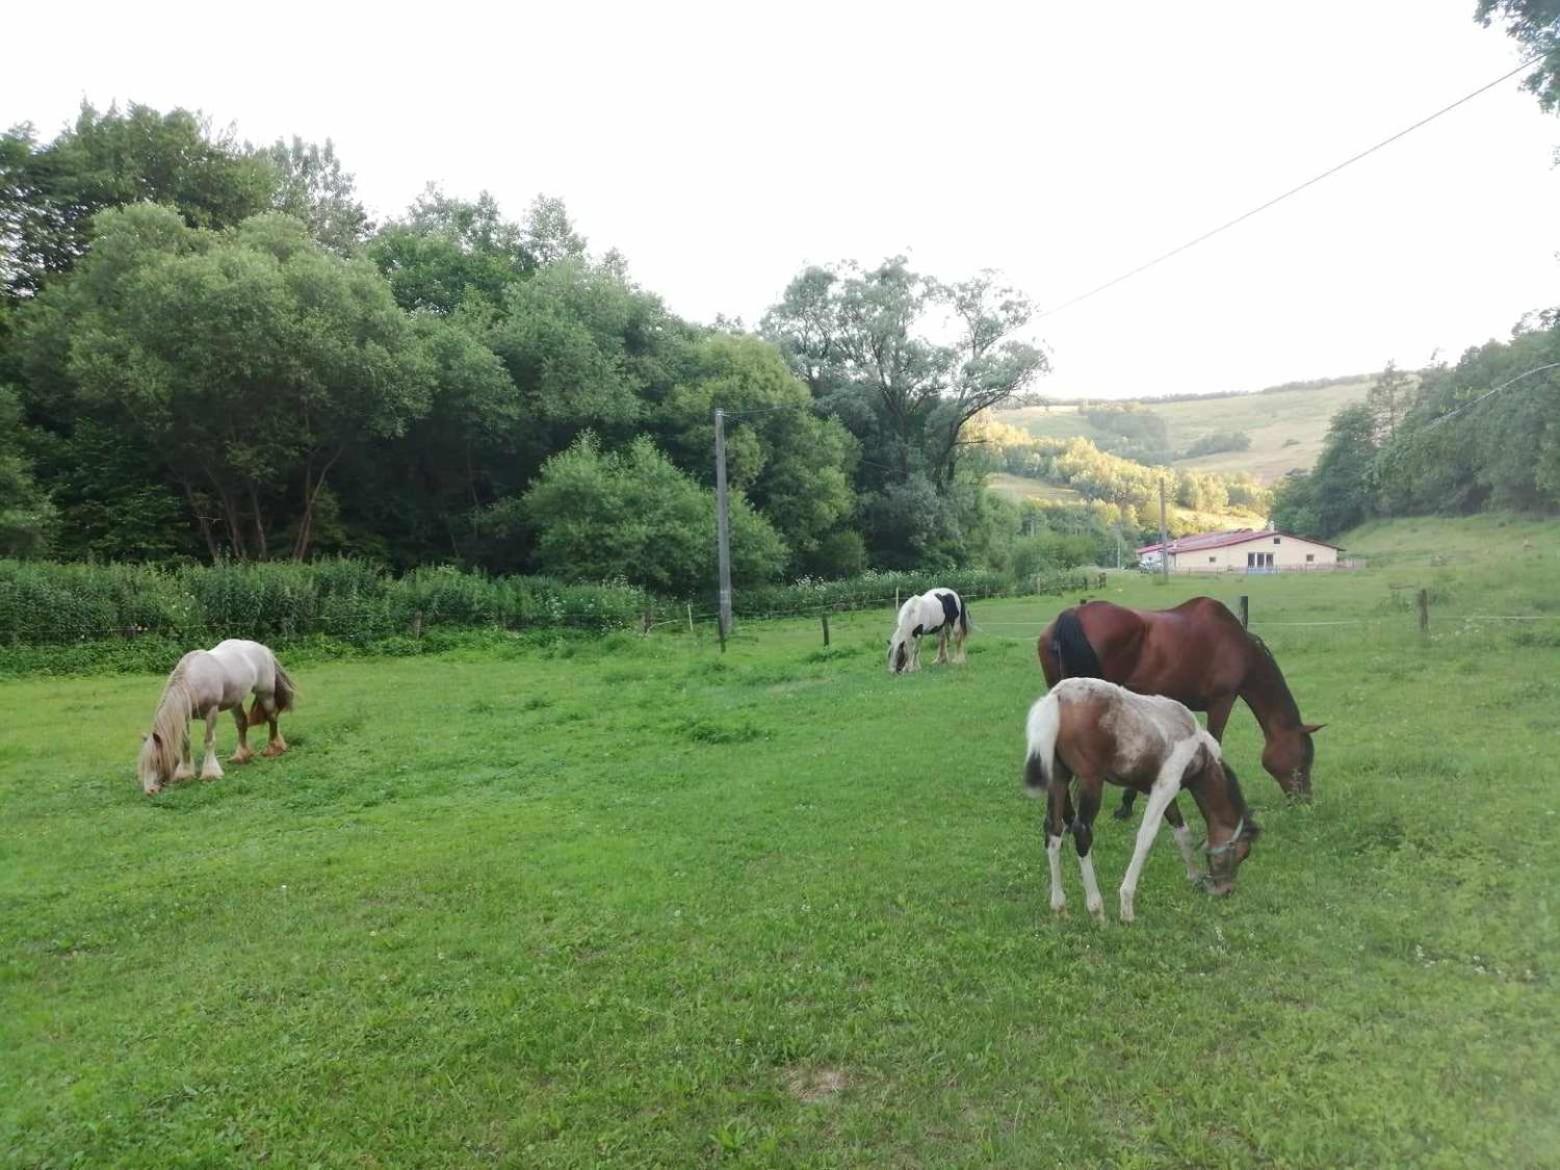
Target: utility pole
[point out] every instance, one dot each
(1164, 536)
(722, 526)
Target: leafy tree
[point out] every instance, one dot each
(632, 515)
(312, 186)
(449, 252)
(794, 466)
(50, 193)
(27, 515)
(1535, 25)
(1389, 398)
(862, 341)
(1294, 506)
(1343, 485)
(250, 361)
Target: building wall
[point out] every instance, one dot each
(1289, 553)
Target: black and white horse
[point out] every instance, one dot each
(937, 611)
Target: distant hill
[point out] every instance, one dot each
(1286, 423)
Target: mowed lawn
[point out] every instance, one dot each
(631, 903)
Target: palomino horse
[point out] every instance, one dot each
(1198, 654)
(937, 611)
(204, 683)
(1097, 731)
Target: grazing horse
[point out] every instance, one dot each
(204, 683)
(1198, 654)
(1097, 731)
(937, 611)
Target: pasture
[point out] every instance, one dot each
(1286, 427)
(630, 902)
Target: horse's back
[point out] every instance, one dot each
(246, 664)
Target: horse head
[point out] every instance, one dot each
(1288, 758)
(898, 652)
(1228, 844)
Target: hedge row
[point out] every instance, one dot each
(44, 604)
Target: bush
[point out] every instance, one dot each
(43, 603)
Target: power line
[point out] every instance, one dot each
(1470, 405)
(1277, 199)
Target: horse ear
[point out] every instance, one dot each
(157, 739)
(1312, 728)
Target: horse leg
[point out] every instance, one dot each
(1058, 816)
(243, 755)
(210, 769)
(1165, 788)
(942, 644)
(267, 710)
(186, 768)
(1083, 837)
(1124, 809)
(1183, 841)
(1218, 715)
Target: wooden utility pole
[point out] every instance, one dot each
(722, 526)
(1245, 612)
(1424, 611)
(1164, 536)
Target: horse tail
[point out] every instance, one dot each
(1045, 720)
(286, 690)
(1075, 658)
(964, 616)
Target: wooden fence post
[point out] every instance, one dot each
(896, 598)
(1424, 611)
(825, 618)
(417, 620)
(690, 617)
(1245, 612)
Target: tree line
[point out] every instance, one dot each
(1483, 434)
(208, 351)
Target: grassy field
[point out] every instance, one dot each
(634, 903)
(1286, 428)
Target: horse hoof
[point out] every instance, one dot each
(1123, 813)
(213, 774)
(241, 757)
(273, 751)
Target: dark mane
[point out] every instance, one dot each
(1238, 800)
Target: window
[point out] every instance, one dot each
(1310, 558)
(1213, 560)
(1278, 540)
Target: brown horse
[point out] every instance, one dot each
(1097, 731)
(1198, 654)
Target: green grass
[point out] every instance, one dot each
(1286, 427)
(630, 902)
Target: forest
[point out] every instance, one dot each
(208, 353)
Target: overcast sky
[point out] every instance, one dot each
(723, 146)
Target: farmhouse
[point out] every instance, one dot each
(1244, 550)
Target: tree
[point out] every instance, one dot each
(27, 515)
(250, 361)
(449, 252)
(793, 465)
(1535, 25)
(312, 186)
(859, 338)
(632, 515)
(1342, 486)
(1388, 399)
(49, 194)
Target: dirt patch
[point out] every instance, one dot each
(814, 1084)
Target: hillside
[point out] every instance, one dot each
(1286, 426)
(1019, 488)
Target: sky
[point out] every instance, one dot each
(723, 147)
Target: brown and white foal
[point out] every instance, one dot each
(1096, 731)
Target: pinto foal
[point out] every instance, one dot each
(1097, 731)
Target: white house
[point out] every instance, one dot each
(1244, 550)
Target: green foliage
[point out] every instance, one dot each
(49, 194)
(312, 186)
(248, 361)
(876, 588)
(1535, 25)
(43, 603)
(27, 514)
(1215, 442)
(1138, 434)
(631, 515)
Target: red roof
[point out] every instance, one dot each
(1206, 540)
